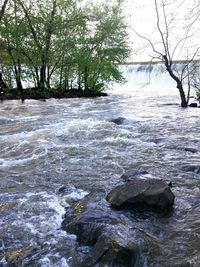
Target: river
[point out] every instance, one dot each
(73, 143)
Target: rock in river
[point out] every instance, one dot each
(103, 238)
(131, 174)
(151, 193)
(193, 105)
(118, 120)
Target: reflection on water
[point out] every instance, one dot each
(73, 143)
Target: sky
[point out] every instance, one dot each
(141, 18)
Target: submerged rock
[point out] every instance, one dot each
(118, 121)
(191, 149)
(16, 258)
(191, 168)
(151, 193)
(26, 256)
(193, 105)
(127, 176)
(185, 264)
(4, 121)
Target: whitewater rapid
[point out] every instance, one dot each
(73, 144)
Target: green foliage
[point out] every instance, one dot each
(64, 44)
(198, 94)
(195, 79)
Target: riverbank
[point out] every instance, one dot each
(35, 93)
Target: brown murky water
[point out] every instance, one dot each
(73, 143)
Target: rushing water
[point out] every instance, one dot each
(73, 143)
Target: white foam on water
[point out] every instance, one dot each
(57, 136)
(3, 262)
(39, 215)
(20, 162)
(75, 195)
(47, 261)
(44, 212)
(20, 136)
(76, 125)
(22, 119)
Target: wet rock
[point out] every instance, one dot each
(170, 184)
(26, 256)
(102, 238)
(62, 189)
(186, 264)
(191, 168)
(118, 121)
(4, 121)
(193, 105)
(6, 207)
(127, 176)
(191, 149)
(152, 193)
(158, 141)
(15, 258)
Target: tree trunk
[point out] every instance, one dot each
(48, 77)
(86, 79)
(3, 85)
(71, 84)
(61, 78)
(184, 102)
(17, 71)
(20, 88)
(179, 83)
(18, 82)
(45, 51)
(37, 77)
(65, 83)
(42, 77)
(79, 80)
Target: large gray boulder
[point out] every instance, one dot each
(104, 238)
(151, 193)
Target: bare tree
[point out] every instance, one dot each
(165, 49)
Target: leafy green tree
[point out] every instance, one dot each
(63, 44)
(101, 46)
(195, 79)
(3, 85)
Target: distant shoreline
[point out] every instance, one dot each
(33, 95)
(158, 62)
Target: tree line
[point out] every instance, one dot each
(60, 45)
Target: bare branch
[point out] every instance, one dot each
(189, 62)
(158, 27)
(167, 34)
(149, 41)
(178, 43)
